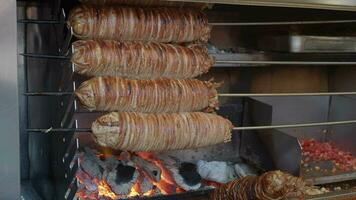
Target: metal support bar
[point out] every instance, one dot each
(68, 110)
(217, 63)
(287, 94)
(48, 130)
(35, 21)
(31, 55)
(284, 62)
(48, 93)
(281, 23)
(294, 125)
(67, 40)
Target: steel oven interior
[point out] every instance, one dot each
(280, 66)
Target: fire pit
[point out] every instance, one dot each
(140, 174)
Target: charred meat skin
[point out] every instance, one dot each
(160, 132)
(138, 24)
(148, 96)
(138, 60)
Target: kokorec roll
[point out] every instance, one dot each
(138, 24)
(139, 60)
(160, 132)
(274, 185)
(148, 96)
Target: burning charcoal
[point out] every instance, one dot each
(82, 193)
(124, 156)
(153, 171)
(216, 171)
(145, 185)
(124, 174)
(186, 176)
(168, 160)
(86, 181)
(122, 178)
(111, 163)
(189, 173)
(91, 166)
(166, 184)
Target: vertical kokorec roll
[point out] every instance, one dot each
(139, 60)
(145, 3)
(138, 24)
(148, 96)
(160, 132)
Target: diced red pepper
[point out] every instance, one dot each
(324, 151)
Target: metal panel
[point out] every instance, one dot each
(269, 149)
(343, 136)
(291, 110)
(9, 112)
(343, 107)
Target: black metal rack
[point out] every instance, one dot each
(69, 130)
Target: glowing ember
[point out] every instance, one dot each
(149, 193)
(135, 190)
(167, 184)
(104, 189)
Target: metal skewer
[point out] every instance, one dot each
(284, 62)
(286, 94)
(220, 62)
(294, 125)
(222, 95)
(48, 93)
(281, 23)
(48, 130)
(35, 21)
(285, 126)
(45, 56)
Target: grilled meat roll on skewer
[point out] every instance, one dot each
(160, 132)
(138, 24)
(148, 96)
(154, 3)
(270, 185)
(139, 60)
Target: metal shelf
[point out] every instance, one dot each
(346, 5)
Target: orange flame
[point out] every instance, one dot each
(104, 189)
(149, 192)
(167, 184)
(135, 190)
